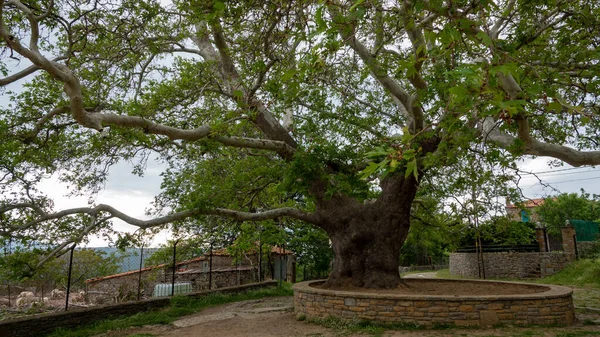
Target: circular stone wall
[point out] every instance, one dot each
(547, 304)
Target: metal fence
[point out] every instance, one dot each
(178, 272)
(215, 268)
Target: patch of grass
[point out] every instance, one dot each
(180, 306)
(581, 273)
(416, 272)
(350, 326)
(445, 273)
(578, 334)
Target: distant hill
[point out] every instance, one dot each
(131, 256)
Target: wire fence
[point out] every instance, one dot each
(146, 272)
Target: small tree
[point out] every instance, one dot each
(555, 211)
(312, 248)
(22, 267)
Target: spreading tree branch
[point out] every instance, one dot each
(144, 224)
(402, 99)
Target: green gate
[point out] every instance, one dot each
(586, 230)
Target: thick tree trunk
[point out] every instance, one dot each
(367, 254)
(367, 237)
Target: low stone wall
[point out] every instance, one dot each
(219, 278)
(41, 325)
(510, 265)
(554, 306)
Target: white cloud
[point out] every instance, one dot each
(125, 191)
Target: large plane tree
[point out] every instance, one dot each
(331, 112)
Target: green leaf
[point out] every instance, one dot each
(356, 4)
(288, 75)
(321, 24)
(238, 94)
(411, 168)
(219, 6)
(485, 38)
(369, 170)
(585, 120)
(555, 105)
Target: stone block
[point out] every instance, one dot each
(466, 323)
(518, 308)
(488, 318)
(506, 317)
(350, 302)
(465, 308)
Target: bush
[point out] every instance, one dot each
(589, 250)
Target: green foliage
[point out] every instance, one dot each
(186, 250)
(501, 231)
(591, 250)
(555, 211)
(433, 233)
(311, 247)
(21, 266)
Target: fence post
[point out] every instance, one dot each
(239, 261)
(174, 266)
(140, 276)
(575, 246)
(210, 266)
(259, 259)
(69, 278)
(9, 302)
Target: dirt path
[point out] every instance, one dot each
(268, 317)
(432, 274)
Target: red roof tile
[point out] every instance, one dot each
(531, 203)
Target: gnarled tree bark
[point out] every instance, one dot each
(367, 237)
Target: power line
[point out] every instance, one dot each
(582, 179)
(553, 171)
(562, 174)
(565, 181)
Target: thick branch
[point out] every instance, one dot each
(114, 213)
(195, 134)
(534, 147)
(400, 96)
(498, 26)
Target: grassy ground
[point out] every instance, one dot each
(180, 306)
(361, 328)
(580, 274)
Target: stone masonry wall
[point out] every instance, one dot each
(509, 264)
(124, 288)
(220, 278)
(552, 307)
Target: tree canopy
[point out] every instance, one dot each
(333, 113)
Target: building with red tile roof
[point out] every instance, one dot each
(524, 211)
